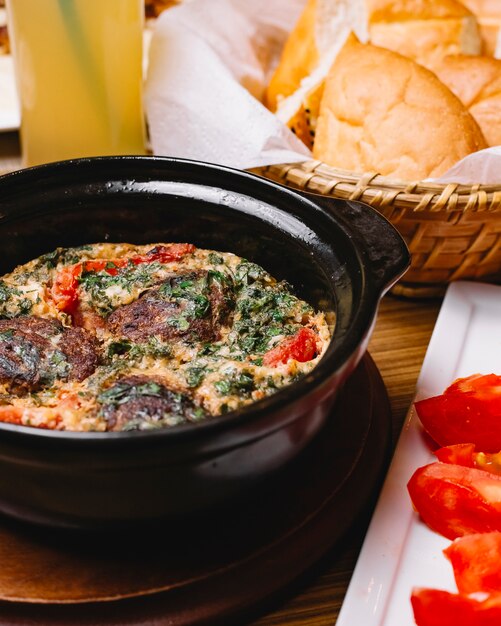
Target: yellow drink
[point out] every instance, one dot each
(79, 74)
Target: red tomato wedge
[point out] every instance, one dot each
(167, 254)
(454, 500)
(476, 561)
(64, 290)
(11, 414)
(41, 417)
(466, 454)
(302, 347)
(433, 607)
(459, 454)
(469, 411)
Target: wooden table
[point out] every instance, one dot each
(398, 347)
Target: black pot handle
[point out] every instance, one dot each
(385, 249)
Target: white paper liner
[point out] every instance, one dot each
(209, 64)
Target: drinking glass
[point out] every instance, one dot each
(78, 69)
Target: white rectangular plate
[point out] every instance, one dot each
(9, 104)
(399, 551)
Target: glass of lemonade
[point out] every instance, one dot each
(79, 76)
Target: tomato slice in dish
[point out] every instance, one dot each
(167, 254)
(64, 291)
(476, 561)
(434, 607)
(466, 454)
(301, 347)
(454, 500)
(469, 411)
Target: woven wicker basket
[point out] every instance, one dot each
(453, 231)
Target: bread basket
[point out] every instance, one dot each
(453, 231)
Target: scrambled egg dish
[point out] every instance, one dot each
(114, 337)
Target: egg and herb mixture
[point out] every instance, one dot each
(113, 337)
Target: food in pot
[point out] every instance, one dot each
(113, 337)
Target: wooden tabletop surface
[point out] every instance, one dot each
(398, 346)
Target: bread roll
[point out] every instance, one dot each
(382, 112)
(424, 30)
(476, 81)
(303, 118)
(488, 13)
(299, 58)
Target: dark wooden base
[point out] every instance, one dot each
(203, 570)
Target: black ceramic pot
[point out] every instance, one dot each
(339, 256)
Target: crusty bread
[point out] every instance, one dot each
(485, 8)
(488, 13)
(383, 112)
(476, 81)
(303, 121)
(422, 30)
(408, 10)
(299, 58)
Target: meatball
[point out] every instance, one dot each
(193, 306)
(34, 352)
(142, 402)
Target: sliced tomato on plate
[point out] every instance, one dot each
(458, 454)
(466, 454)
(301, 347)
(476, 561)
(434, 607)
(454, 500)
(469, 411)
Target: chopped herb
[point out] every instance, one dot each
(156, 348)
(51, 259)
(195, 374)
(135, 351)
(215, 259)
(119, 347)
(198, 413)
(180, 322)
(25, 306)
(202, 306)
(209, 349)
(6, 292)
(236, 383)
(248, 273)
(123, 392)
